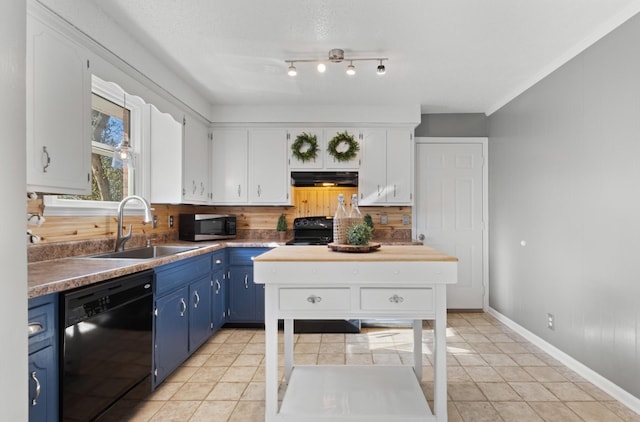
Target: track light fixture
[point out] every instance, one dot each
(337, 56)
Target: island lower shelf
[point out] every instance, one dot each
(354, 393)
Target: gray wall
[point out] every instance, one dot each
(13, 248)
(453, 125)
(564, 176)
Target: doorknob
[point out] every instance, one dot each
(421, 237)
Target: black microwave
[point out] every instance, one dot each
(195, 227)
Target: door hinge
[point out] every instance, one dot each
(211, 282)
(212, 325)
(184, 120)
(88, 64)
(88, 177)
(288, 136)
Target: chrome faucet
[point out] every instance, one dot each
(121, 238)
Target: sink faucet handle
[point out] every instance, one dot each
(149, 242)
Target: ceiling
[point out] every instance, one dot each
(449, 56)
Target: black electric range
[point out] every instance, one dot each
(318, 231)
(312, 231)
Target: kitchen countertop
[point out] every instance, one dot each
(58, 275)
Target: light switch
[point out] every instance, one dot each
(384, 219)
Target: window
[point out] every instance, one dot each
(114, 114)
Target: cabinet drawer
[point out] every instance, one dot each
(311, 299)
(42, 322)
(218, 260)
(174, 275)
(244, 256)
(396, 299)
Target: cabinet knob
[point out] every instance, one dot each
(314, 299)
(396, 299)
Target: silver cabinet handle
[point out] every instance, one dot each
(314, 299)
(35, 327)
(34, 401)
(259, 190)
(238, 191)
(246, 281)
(396, 299)
(218, 287)
(193, 187)
(184, 307)
(197, 296)
(394, 191)
(201, 188)
(378, 190)
(45, 159)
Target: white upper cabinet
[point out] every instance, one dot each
(195, 149)
(229, 150)
(165, 137)
(58, 112)
(331, 163)
(311, 164)
(386, 174)
(269, 181)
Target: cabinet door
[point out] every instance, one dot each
(316, 163)
(199, 312)
(268, 171)
(166, 158)
(220, 303)
(372, 179)
(171, 346)
(330, 162)
(58, 112)
(195, 162)
(43, 386)
(400, 155)
(229, 172)
(242, 296)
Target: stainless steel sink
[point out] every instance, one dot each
(144, 253)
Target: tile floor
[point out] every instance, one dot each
(493, 375)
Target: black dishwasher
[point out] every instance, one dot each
(106, 344)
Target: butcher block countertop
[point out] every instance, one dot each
(396, 253)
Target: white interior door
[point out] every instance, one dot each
(449, 210)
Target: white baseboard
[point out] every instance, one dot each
(623, 396)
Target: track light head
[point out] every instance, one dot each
(351, 69)
(381, 70)
(292, 70)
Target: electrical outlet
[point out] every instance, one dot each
(155, 222)
(170, 221)
(384, 219)
(551, 322)
(405, 220)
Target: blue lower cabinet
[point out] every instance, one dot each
(43, 359)
(183, 313)
(171, 346)
(200, 323)
(246, 299)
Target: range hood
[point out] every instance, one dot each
(324, 178)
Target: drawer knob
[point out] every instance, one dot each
(314, 299)
(396, 299)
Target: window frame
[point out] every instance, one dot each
(56, 206)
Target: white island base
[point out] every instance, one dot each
(354, 393)
(395, 282)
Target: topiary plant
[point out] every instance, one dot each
(368, 220)
(282, 223)
(359, 234)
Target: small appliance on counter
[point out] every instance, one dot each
(318, 231)
(197, 227)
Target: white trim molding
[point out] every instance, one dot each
(624, 397)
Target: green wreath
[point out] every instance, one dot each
(347, 155)
(305, 139)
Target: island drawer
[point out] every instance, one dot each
(396, 299)
(312, 299)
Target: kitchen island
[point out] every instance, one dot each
(394, 282)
